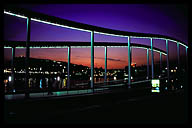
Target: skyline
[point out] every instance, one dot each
(118, 20)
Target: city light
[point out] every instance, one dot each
(155, 91)
(155, 85)
(41, 83)
(58, 78)
(9, 78)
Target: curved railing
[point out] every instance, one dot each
(39, 17)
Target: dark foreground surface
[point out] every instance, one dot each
(127, 107)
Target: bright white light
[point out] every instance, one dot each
(165, 88)
(46, 22)
(115, 78)
(9, 78)
(131, 77)
(140, 37)
(90, 78)
(183, 45)
(171, 70)
(12, 14)
(14, 90)
(58, 78)
(181, 86)
(110, 34)
(138, 47)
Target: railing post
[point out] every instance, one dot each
(147, 63)
(178, 55)
(12, 66)
(167, 48)
(68, 67)
(92, 60)
(186, 59)
(152, 59)
(129, 63)
(105, 64)
(27, 58)
(160, 63)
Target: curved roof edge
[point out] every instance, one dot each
(84, 27)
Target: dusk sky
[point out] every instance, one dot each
(169, 20)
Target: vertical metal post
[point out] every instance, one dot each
(129, 63)
(12, 66)
(92, 60)
(27, 58)
(167, 48)
(105, 79)
(160, 63)
(186, 60)
(68, 67)
(152, 59)
(178, 55)
(147, 63)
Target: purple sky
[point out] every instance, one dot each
(169, 20)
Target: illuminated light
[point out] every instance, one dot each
(171, 80)
(58, 78)
(9, 78)
(138, 47)
(12, 14)
(166, 68)
(90, 78)
(183, 45)
(140, 37)
(166, 81)
(5, 81)
(110, 34)
(159, 76)
(40, 68)
(174, 70)
(115, 78)
(59, 25)
(157, 88)
(165, 88)
(131, 77)
(155, 91)
(175, 67)
(155, 83)
(14, 90)
(55, 78)
(181, 86)
(171, 70)
(41, 83)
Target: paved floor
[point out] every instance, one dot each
(112, 108)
